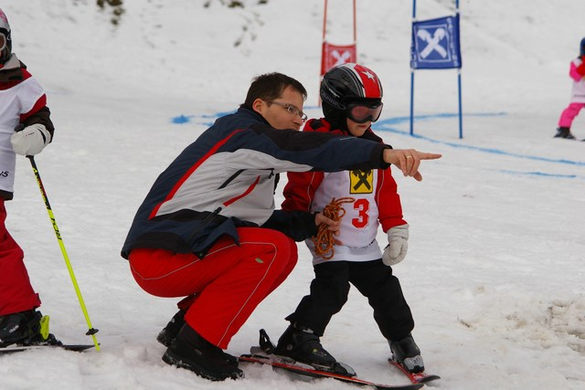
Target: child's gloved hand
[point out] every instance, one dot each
(397, 246)
(31, 140)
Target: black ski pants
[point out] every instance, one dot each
(374, 280)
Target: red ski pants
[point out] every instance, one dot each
(16, 292)
(229, 282)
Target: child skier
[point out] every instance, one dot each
(577, 73)
(352, 100)
(25, 129)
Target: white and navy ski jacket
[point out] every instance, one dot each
(227, 177)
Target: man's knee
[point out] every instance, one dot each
(284, 247)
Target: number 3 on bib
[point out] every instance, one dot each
(362, 205)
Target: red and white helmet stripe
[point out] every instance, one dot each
(366, 79)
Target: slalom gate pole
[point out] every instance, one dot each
(91, 331)
(459, 75)
(412, 77)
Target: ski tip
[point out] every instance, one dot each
(426, 378)
(416, 378)
(78, 347)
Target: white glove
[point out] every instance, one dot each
(30, 140)
(397, 246)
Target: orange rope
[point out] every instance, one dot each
(324, 241)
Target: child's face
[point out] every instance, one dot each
(357, 129)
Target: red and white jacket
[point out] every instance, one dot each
(22, 101)
(376, 202)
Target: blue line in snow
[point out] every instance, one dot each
(208, 119)
(542, 174)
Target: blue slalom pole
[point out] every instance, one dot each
(411, 101)
(412, 78)
(460, 109)
(459, 75)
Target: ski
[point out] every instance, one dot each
(67, 347)
(415, 378)
(309, 371)
(263, 354)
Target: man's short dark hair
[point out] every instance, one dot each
(270, 86)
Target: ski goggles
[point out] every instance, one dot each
(2, 41)
(363, 112)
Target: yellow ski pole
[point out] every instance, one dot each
(91, 330)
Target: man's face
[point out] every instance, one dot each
(286, 112)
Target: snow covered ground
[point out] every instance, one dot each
(495, 269)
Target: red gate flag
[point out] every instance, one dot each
(333, 55)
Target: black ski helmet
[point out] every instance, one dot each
(344, 84)
(5, 39)
(582, 48)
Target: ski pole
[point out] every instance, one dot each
(91, 331)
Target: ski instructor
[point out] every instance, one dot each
(208, 229)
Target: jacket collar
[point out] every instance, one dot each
(250, 111)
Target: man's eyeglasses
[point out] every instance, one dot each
(361, 113)
(290, 108)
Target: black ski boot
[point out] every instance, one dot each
(564, 132)
(302, 345)
(170, 332)
(26, 328)
(407, 353)
(191, 351)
